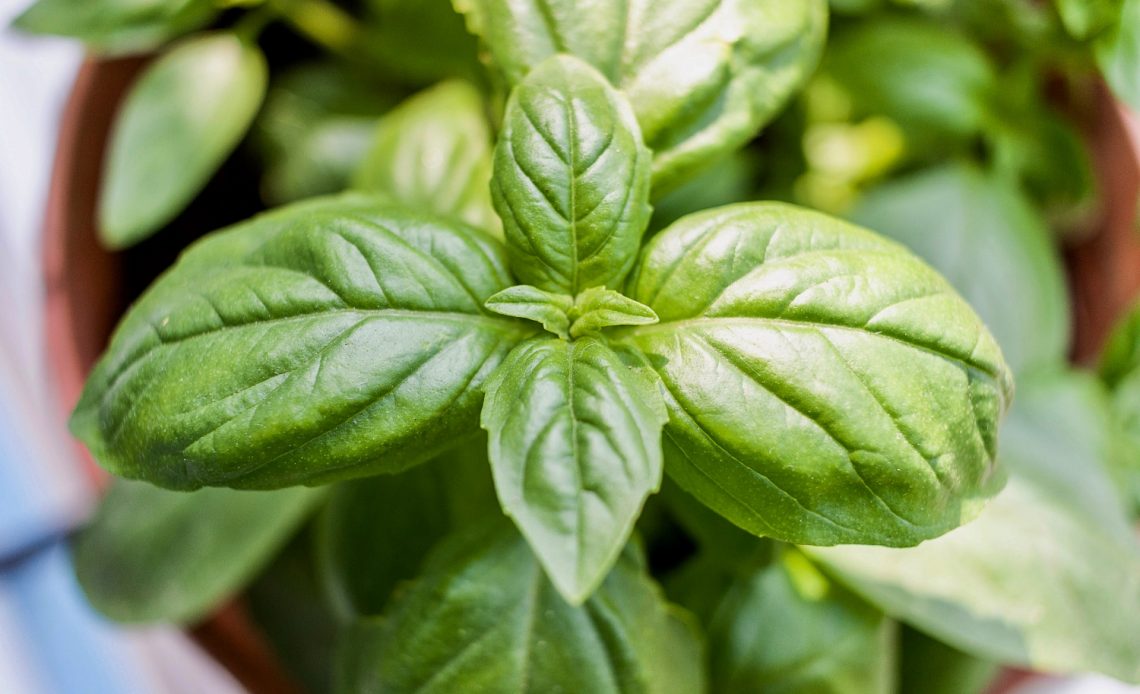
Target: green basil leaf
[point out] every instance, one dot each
(483, 617)
(928, 666)
(703, 77)
(598, 308)
(117, 26)
(1046, 577)
(375, 533)
(1118, 54)
(933, 81)
(180, 121)
(327, 340)
(318, 121)
(823, 384)
(571, 179)
(152, 555)
(525, 301)
(989, 242)
(575, 445)
(1084, 19)
(433, 152)
(789, 629)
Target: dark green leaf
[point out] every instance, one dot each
(1118, 54)
(375, 533)
(823, 384)
(483, 617)
(183, 117)
(931, 80)
(421, 40)
(575, 444)
(286, 606)
(571, 179)
(152, 555)
(928, 666)
(1049, 575)
(984, 237)
(327, 340)
(433, 153)
(788, 629)
(117, 26)
(703, 77)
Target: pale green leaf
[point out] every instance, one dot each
(433, 153)
(598, 308)
(1048, 576)
(524, 301)
(180, 121)
(117, 26)
(1118, 54)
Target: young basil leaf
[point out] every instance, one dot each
(152, 555)
(598, 308)
(575, 444)
(571, 179)
(989, 242)
(433, 152)
(703, 77)
(375, 533)
(483, 617)
(1046, 577)
(788, 629)
(823, 384)
(525, 301)
(930, 79)
(180, 121)
(1118, 54)
(117, 26)
(324, 341)
(928, 666)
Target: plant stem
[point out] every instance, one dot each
(323, 23)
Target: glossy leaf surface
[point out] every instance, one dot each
(180, 121)
(575, 445)
(433, 153)
(787, 629)
(571, 180)
(992, 246)
(323, 341)
(117, 26)
(703, 77)
(483, 617)
(153, 555)
(1049, 575)
(823, 384)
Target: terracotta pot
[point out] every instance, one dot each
(84, 296)
(85, 292)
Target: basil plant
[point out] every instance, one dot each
(466, 415)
